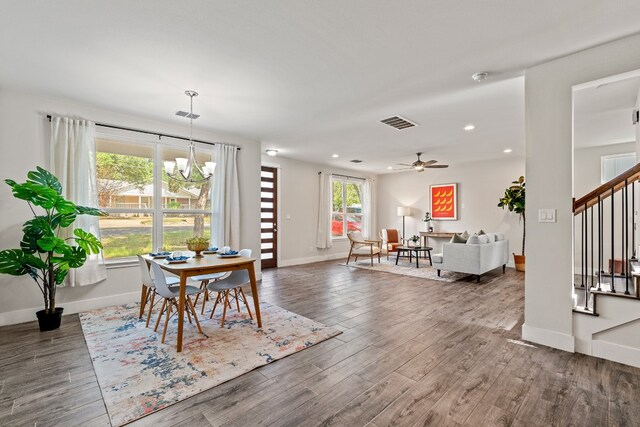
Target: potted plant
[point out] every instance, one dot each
(415, 239)
(427, 220)
(43, 255)
(513, 199)
(198, 244)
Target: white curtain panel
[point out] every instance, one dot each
(323, 237)
(225, 201)
(73, 160)
(368, 209)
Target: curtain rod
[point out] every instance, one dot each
(160, 135)
(346, 176)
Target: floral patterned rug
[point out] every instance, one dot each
(405, 268)
(138, 374)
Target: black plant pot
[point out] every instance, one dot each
(49, 321)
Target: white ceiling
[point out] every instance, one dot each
(309, 78)
(602, 113)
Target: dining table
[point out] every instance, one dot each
(206, 264)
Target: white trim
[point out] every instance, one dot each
(607, 80)
(70, 307)
(616, 352)
(549, 338)
(309, 260)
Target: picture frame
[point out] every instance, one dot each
(443, 202)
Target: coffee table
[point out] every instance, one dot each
(418, 250)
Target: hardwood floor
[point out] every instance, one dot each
(413, 352)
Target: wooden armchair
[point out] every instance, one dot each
(391, 239)
(363, 248)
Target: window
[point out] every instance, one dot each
(347, 207)
(616, 164)
(146, 209)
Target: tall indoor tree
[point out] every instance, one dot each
(43, 255)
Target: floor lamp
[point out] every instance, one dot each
(403, 211)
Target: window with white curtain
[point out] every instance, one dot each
(148, 211)
(616, 164)
(346, 214)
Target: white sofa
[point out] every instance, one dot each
(474, 257)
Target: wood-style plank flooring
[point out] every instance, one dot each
(413, 352)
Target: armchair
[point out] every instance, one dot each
(362, 248)
(391, 239)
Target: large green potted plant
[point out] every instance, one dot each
(43, 254)
(513, 199)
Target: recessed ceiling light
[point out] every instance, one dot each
(389, 167)
(508, 150)
(478, 77)
(335, 156)
(469, 127)
(271, 152)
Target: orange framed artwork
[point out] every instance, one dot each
(444, 201)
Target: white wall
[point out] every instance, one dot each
(298, 211)
(587, 165)
(549, 155)
(480, 185)
(24, 138)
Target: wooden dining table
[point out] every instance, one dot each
(207, 264)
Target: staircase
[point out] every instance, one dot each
(606, 286)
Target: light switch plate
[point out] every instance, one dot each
(546, 215)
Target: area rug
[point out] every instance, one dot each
(138, 374)
(425, 271)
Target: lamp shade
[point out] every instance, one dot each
(404, 211)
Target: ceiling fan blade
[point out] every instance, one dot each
(404, 164)
(429, 162)
(437, 166)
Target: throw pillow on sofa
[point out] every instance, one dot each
(465, 235)
(484, 239)
(458, 238)
(473, 240)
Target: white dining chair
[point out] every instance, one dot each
(233, 283)
(170, 299)
(147, 282)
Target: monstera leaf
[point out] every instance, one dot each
(37, 194)
(63, 220)
(64, 206)
(87, 241)
(74, 256)
(13, 262)
(39, 223)
(61, 273)
(51, 244)
(84, 210)
(45, 178)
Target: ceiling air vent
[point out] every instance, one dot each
(398, 122)
(187, 115)
(355, 161)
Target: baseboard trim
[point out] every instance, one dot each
(549, 338)
(616, 352)
(309, 260)
(70, 307)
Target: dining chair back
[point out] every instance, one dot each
(162, 288)
(231, 288)
(144, 273)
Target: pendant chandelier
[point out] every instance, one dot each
(186, 166)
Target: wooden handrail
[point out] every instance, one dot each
(605, 190)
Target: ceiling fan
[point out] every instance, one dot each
(420, 165)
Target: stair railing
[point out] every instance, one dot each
(590, 207)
